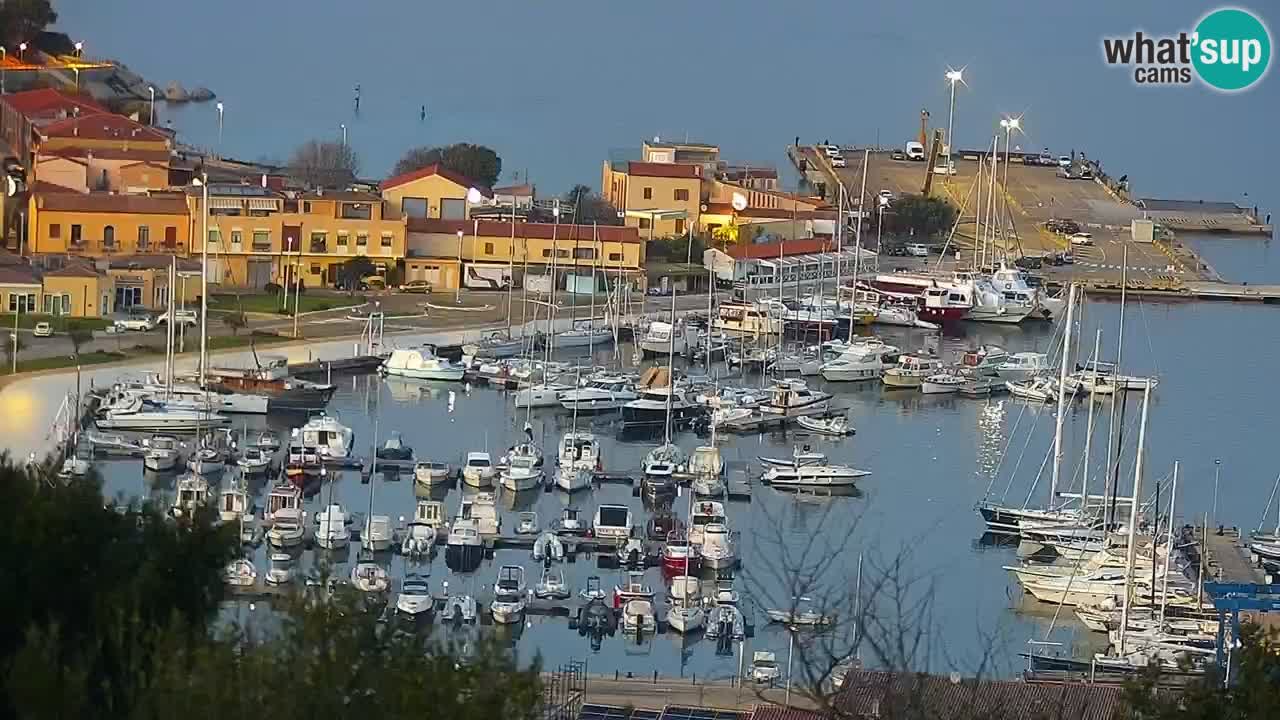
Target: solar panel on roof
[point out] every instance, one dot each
(679, 712)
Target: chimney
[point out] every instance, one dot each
(264, 179)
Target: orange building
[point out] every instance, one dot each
(105, 224)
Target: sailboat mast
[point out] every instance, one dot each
(1062, 396)
(839, 244)
(1114, 431)
(671, 358)
(1133, 519)
(857, 232)
(169, 326)
(711, 296)
(511, 262)
(1088, 437)
(1168, 543)
(373, 479)
(591, 319)
(549, 345)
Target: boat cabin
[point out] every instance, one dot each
(284, 497)
(580, 450)
(193, 491)
(612, 522)
(482, 510)
(429, 512)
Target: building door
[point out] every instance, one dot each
(331, 274)
(259, 273)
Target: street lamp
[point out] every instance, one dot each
(457, 290)
(953, 77)
(220, 111)
(4, 55)
(203, 183)
(1009, 125)
(1217, 471)
(344, 134)
(79, 48)
(151, 113)
(22, 48)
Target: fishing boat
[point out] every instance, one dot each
(331, 440)
(285, 515)
(911, 371)
(942, 383)
(420, 364)
(837, 426)
(522, 472)
(253, 461)
(1023, 366)
(233, 505)
(662, 338)
(193, 493)
(270, 378)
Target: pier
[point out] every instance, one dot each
(1227, 558)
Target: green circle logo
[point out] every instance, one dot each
(1231, 49)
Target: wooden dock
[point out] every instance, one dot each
(1227, 558)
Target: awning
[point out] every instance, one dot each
(263, 204)
(217, 203)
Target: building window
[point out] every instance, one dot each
(76, 238)
(109, 237)
(362, 240)
(144, 237)
(171, 237)
(584, 253)
(315, 268)
(342, 239)
(237, 237)
(546, 252)
(682, 194)
(386, 241)
(648, 193)
(488, 248)
(104, 308)
(19, 302)
(562, 253)
(319, 242)
(66, 303)
(215, 237)
(615, 257)
(644, 223)
(55, 230)
(306, 206)
(261, 241)
(679, 226)
(414, 207)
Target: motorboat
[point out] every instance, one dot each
(805, 361)
(911, 371)
(240, 573)
(301, 462)
(414, 598)
(509, 595)
(602, 394)
(285, 515)
(792, 397)
(583, 336)
(663, 460)
(526, 449)
(207, 461)
(612, 522)
(253, 460)
(132, 411)
(1013, 282)
(1105, 373)
(929, 295)
(705, 460)
(901, 316)
(718, 547)
(724, 620)
(548, 546)
(853, 365)
(428, 472)
(162, 453)
(572, 479)
(270, 378)
(633, 588)
(281, 569)
(540, 395)
(109, 444)
(74, 467)
(812, 476)
(653, 406)
(267, 441)
(764, 668)
(458, 608)
(527, 523)
(837, 426)
(1038, 389)
(370, 577)
(942, 383)
(482, 507)
(282, 497)
(464, 549)
(332, 441)
(331, 528)
(394, 449)
(478, 471)
(192, 494)
(662, 338)
(747, 320)
(233, 505)
(686, 617)
(799, 457)
(551, 585)
(580, 450)
(570, 522)
(638, 617)
(377, 533)
(421, 534)
(521, 473)
(704, 513)
(631, 553)
(680, 556)
(421, 364)
(661, 524)
(1024, 366)
(593, 591)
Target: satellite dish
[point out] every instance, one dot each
(739, 202)
(474, 196)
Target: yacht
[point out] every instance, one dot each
(911, 371)
(331, 528)
(161, 453)
(509, 595)
(270, 378)
(746, 320)
(478, 470)
(854, 364)
(132, 411)
(522, 472)
(663, 338)
(414, 598)
(602, 394)
(420, 364)
(812, 476)
(929, 295)
(332, 441)
(1013, 282)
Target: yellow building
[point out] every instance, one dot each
(671, 192)
(143, 281)
(432, 192)
(491, 256)
(19, 288)
(258, 235)
(79, 290)
(106, 224)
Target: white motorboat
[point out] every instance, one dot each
(663, 338)
(548, 546)
(74, 467)
(1024, 366)
(394, 450)
(572, 479)
(527, 523)
(253, 460)
(421, 364)
(521, 473)
(233, 505)
(1039, 389)
(837, 426)
(602, 394)
(812, 476)
(911, 371)
(540, 395)
(370, 577)
(193, 493)
(526, 449)
(551, 585)
(331, 528)
(464, 549)
(570, 523)
(427, 472)
(131, 411)
(483, 508)
(421, 534)
(267, 441)
(942, 383)
(901, 316)
(631, 553)
(377, 533)
(612, 522)
(478, 471)
(240, 573)
(800, 618)
(414, 598)
(718, 548)
(583, 336)
(1105, 373)
(581, 450)
(705, 512)
(331, 440)
(686, 617)
(638, 618)
(705, 460)
(663, 461)
(798, 458)
(107, 444)
(852, 366)
(281, 569)
(725, 620)
(509, 595)
(285, 515)
(162, 453)
(207, 461)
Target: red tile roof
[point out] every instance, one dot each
(102, 126)
(135, 154)
(112, 203)
(44, 187)
(74, 269)
(766, 251)
(543, 231)
(776, 213)
(17, 274)
(435, 169)
(47, 102)
(665, 170)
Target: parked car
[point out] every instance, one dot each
(1046, 159)
(944, 169)
(1059, 258)
(1081, 238)
(918, 250)
(831, 150)
(1064, 161)
(1029, 262)
(1066, 227)
(416, 286)
(838, 161)
(141, 323)
(897, 155)
(915, 151)
(895, 250)
(181, 317)
(42, 329)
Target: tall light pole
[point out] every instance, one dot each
(1217, 473)
(151, 112)
(221, 108)
(203, 182)
(953, 77)
(22, 48)
(344, 134)
(79, 48)
(4, 55)
(457, 290)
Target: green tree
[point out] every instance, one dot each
(235, 320)
(325, 164)
(350, 272)
(919, 216)
(22, 20)
(477, 163)
(78, 337)
(1253, 695)
(592, 207)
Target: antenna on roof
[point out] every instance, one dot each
(656, 139)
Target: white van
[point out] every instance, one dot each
(917, 250)
(915, 151)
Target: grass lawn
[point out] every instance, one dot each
(60, 323)
(223, 342)
(62, 361)
(271, 303)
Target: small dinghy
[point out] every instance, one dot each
(394, 449)
(551, 586)
(837, 426)
(548, 546)
(240, 573)
(459, 608)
